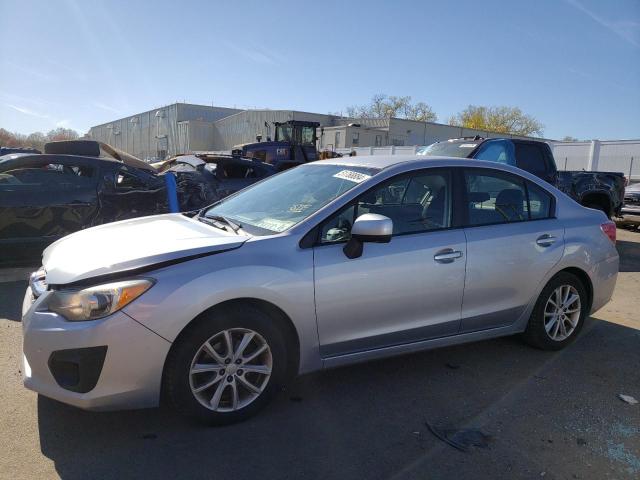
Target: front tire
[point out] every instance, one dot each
(226, 366)
(559, 313)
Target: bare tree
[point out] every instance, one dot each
(35, 139)
(384, 106)
(62, 134)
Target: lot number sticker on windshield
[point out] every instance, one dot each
(352, 176)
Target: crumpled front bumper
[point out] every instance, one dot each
(130, 373)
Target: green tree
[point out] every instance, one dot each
(510, 120)
(569, 138)
(385, 106)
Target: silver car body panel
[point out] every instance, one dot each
(394, 299)
(132, 244)
(504, 268)
(395, 293)
(132, 370)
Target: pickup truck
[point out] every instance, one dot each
(600, 190)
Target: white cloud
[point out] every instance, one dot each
(27, 111)
(257, 54)
(628, 30)
(108, 108)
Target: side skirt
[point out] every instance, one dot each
(351, 358)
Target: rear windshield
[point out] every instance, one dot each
(448, 149)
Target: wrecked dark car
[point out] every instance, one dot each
(222, 174)
(80, 184)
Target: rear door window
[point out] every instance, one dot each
(495, 197)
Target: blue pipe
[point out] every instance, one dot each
(172, 192)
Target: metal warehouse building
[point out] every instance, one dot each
(185, 128)
(163, 131)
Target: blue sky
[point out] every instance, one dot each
(573, 64)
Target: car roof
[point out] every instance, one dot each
(18, 160)
(410, 162)
(385, 161)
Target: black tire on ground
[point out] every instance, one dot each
(176, 384)
(535, 334)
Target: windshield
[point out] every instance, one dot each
(281, 201)
(308, 136)
(448, 149)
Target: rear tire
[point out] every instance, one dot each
(559, 313)
(226, 366)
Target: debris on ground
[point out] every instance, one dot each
(452, 366)
(461, 439)
(627, 399)
(581, 441)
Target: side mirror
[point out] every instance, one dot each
(369, 227)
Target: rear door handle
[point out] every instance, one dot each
(546, 240)
(447, 255)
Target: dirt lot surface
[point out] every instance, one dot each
(547, 415)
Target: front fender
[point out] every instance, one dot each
(184, 291)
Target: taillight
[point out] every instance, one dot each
(626, 181)
(609, 229)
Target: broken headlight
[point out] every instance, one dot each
(96, 302)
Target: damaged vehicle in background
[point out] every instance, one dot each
(79, 184)
(631, 208)
(598, 190)
(222, 174)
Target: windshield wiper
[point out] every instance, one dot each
(219, 219)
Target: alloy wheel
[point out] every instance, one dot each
(562, 312)
(230, 370)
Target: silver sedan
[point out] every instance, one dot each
(326, 264)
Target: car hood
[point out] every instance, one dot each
(131, 245)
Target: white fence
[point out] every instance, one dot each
(606, 155)
(390, 150)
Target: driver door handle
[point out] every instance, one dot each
(447, 255)
(545, 240)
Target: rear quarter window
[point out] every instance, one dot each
(540, 202)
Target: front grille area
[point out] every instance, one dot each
(38, 282)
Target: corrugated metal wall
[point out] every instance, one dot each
(147, 135)
(244, 126)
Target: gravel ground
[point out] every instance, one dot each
(545, 415)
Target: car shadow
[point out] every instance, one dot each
(362, 421)
(629, 255)
(11, 296)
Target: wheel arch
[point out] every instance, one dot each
(584, 279)
(291, 334)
